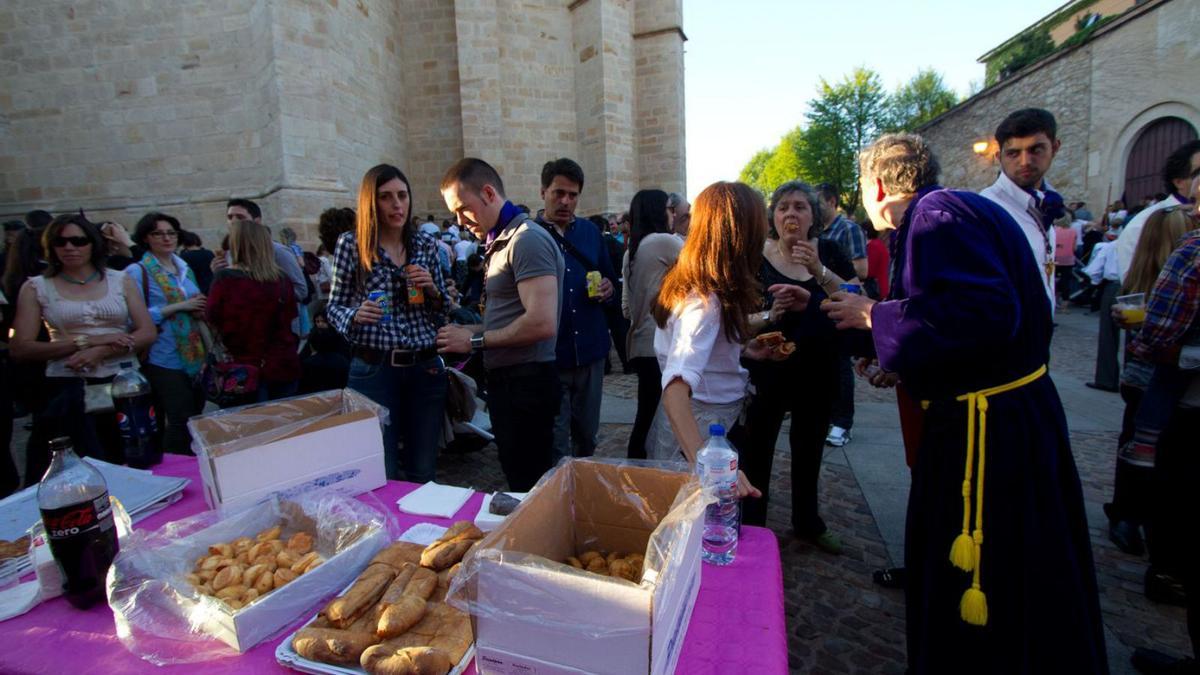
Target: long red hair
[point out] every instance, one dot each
(721, 257)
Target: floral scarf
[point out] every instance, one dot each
(188, 342)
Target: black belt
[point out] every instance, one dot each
(399, 358)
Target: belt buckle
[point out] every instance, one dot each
(403, 358)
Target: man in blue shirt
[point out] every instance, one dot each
(853, 240)
(582, 330)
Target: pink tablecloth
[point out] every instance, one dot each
(737, 625)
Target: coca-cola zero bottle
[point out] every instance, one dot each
(76, 512)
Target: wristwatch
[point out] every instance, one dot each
(477, 341)
(765, 317)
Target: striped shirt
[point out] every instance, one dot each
(410, 326)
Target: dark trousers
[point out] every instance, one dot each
(523, 401)
(1132, 485)
(1108, 370)
(415, 397)
(843, 407)
(618, 325)
(176, 398)
(778, 390)
(1174, 531)
(649, 393)
(9, 479)
(61, 412)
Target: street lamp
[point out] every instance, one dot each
(980, 147)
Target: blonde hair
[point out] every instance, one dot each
(1159, 237)
(252, 250)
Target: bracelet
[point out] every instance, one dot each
(81, 342)
(826, 276)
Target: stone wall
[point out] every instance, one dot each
(1133, 71)
(179, 105)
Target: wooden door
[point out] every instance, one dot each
(1143, 170)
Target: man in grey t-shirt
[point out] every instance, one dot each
(524, 271)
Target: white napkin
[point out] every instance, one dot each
(19, 599)
(423, 534)
(432, 499)
(488, 521)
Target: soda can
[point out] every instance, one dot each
(385, 304)
(850, 288)
(593, 284)
(416, 294)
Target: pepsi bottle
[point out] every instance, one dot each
(136, 418)
(78, 517)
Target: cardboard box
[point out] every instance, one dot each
(331, 440)
(534, 614)
(152, 600)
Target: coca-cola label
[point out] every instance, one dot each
(72, 521)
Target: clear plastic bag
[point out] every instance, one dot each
(235, 429)
(161, 618)
(629, 506)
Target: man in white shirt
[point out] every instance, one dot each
(1177, 171)
(1028, 143)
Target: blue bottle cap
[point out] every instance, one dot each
(716, 430)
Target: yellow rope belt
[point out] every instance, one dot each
(965, 552)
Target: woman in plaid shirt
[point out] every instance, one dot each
(394, 358)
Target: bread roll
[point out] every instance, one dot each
(451, 546)
(342, 611)
(399, 553)
(399, 616)
(330, 645)
(382, 660)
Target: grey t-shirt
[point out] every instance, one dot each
(528, 251)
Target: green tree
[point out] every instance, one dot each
(752, 173)
(843, 119)
(921, 99)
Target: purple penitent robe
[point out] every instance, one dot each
(967, 312)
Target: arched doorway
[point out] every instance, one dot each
(1143, 170)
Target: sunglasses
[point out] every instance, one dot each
(77, 242)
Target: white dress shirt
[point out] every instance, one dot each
(1127, 242)
(693, 347)
(1022, 207)
(1102, 266)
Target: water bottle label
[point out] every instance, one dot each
(77, 519)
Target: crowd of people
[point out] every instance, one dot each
(947, 296)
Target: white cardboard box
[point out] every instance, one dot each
(331, 440)
(547, 618)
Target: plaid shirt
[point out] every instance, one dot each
(1174, 305)
(411, 326)
(849, 236)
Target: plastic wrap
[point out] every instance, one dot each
(584, 504)
(235, 429)
(161, 618)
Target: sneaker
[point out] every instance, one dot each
(837, 437)
(828, 542)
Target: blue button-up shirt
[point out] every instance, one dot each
(582, 329)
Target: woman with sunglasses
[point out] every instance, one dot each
(176, 306)
(88, 311)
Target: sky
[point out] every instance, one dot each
(752, 66)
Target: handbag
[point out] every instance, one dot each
(225, 382)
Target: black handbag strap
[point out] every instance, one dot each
(569, 247)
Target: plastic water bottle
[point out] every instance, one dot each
(136, 418)
(717, 464)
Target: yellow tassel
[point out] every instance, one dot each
(974, 606)
(962, 553)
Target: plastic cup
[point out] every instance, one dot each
(1132, 307)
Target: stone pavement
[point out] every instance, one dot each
(838, 621)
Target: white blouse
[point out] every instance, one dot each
(66, 318)
(693, 347)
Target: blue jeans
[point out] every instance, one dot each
(578, 420)
(415, 397)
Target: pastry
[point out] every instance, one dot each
(786, 348)
(384, 660)
(399, 553)
(771, 339)
(300, 543)
(330, 645)
(442, 627)
(451, 546)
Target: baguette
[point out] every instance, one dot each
(365, 592)
(451, 546)
(383, 660)
(330, 645)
